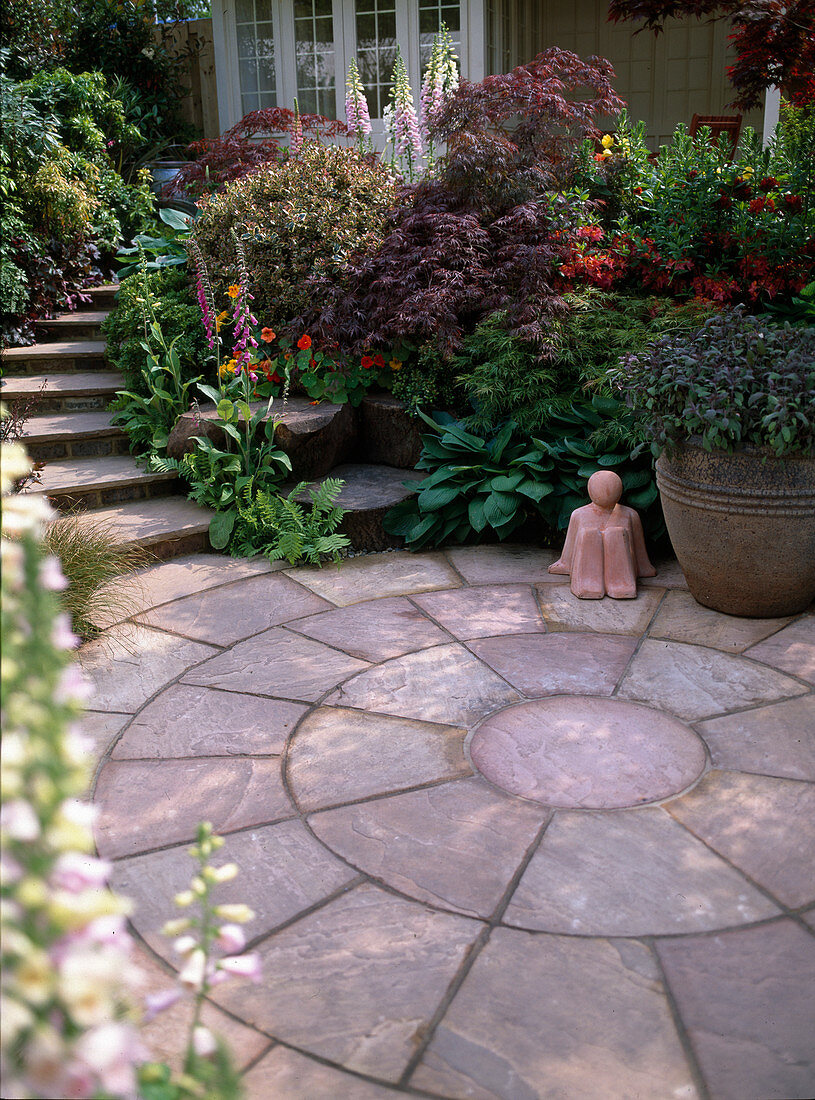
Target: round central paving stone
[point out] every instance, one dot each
(585, 752)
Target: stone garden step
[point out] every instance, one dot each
(369, 492)
(388, 434)
(104, 296)
(81, 325)
(59, 356)
(97, 482)
(315, 437)
(167, 526)
(57, 392)
(73, 435)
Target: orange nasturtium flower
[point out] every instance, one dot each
(395, 364)
(233, 291)
(219, 320)
(304, 343)
(267, 335)
(366, 362)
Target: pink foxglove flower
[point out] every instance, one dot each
(242, 966)
(402, 122)
(356, 105)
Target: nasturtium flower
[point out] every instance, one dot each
(395, 364)
(267, 335)
(233, 291)
(366, 362)
(607, 141)
(219, 320)
(304, 343)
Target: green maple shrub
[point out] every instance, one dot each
(300, 218)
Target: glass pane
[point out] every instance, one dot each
(245, 11)
(325, 69)
(266, 75)
(249, 76)
(387, 26)
(268, 99)
(325, 33)
(452, 17)
(305, 73)
(322, 7)
(428, 20)
(250, 103)
(263, 11)
(366, 31)
(265, 41)
(307, 102)
(246, 41)
(303, 9)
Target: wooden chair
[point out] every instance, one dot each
(718, 125)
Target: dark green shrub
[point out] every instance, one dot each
(178, 314)
(300, 218)
(425, 381)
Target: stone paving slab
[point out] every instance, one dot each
(424, 931)
(746, 999)
(229, 613)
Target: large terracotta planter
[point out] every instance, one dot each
(743, 528)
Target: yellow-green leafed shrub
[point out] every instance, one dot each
(299, 218)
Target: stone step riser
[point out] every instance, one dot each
(103, 299)
(66, 403)
(197, 543)
(80, 447)
(68, 331)
(58, 365)
(86, 499)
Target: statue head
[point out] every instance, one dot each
(605, 488)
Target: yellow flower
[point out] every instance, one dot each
(240, 914)
(233, 291)
(747, 173)
(607, 141)
(219, 320)
(395, 364)
(34, 977)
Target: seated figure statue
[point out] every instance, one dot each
(605, 547)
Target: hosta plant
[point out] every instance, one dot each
(737, 380)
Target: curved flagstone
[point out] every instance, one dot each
(765, 826)
(373, 631)
(284, 871)
(444, 684)
(562, 610)
(129, 664)
(457, 845)
(277, 663)
(481, 612)
(791, 649)
(506, 563)
(693, 682)
(151, 803)
(357, 980)
(581, 1018)
(681, 619)
(285, 1074)
(585, 752)
(340, 755)
(746, 1000)
(630, 874)
(375, 575)
(777, 740)
(199, 721)
(225, 615)
(578, 664)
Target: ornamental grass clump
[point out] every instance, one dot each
(737, 380)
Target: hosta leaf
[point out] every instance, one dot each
(535, 490)
(498, 506)
(477, 515)
(644, 497)
(430, 500)
(220, 528)
(506, 482)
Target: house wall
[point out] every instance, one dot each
(664, 80)
(193, 42)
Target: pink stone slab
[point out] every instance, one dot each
(792, 649)
(562, 610)
(558, 663)
(775, 740)
(457, 845)
(170, 580)
(682, 619)
(693, 682)
(198, 721)
(372, 576)
(637, 873)
(765, 826)
(341, 755)
(357, 980)
(746, 998)
(669, 575)
(560, 1017)
(151, 803)
(287, 1075)
(166, 1036)
(101, 728)
(278, 663)
(809, 918)
(283, 871)
(583, 752)
(505, 564)
(373, 631)
(225, 615)
(129, 664)
(443, 684)
(484, 611)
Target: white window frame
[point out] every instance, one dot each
(473, 51)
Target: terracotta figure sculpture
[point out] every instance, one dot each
(605, 547)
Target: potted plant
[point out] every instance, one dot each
(729, 412)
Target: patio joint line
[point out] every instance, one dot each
(393, 793)
(270, 1046)
(679, 1024)
(185, 843)
(469, 960)
(747, 708)
(301, 914)
(464, 582)
(640, 642)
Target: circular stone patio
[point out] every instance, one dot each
(499, 842)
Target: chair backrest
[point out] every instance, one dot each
(718, 125)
